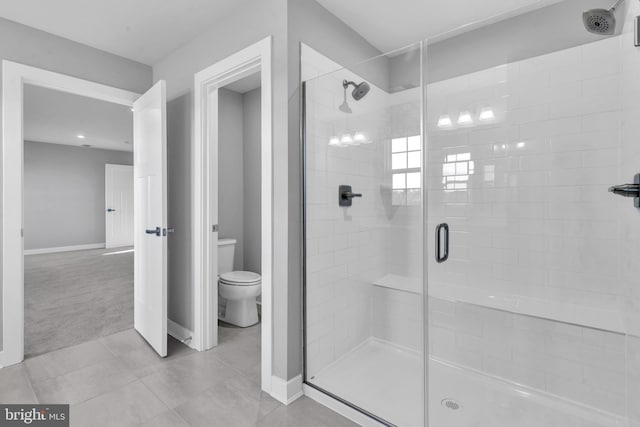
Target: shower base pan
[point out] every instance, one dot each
(383, 379)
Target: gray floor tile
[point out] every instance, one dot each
(186, 378)
(138, 356)
(61, 362)
(219, 387)
(15, 386)
(130, 405)
(83, 384)
(240, 349)
(235, 402)
(168, 418)
(304, 412)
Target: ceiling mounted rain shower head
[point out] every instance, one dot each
(601, 21)
(359, 90)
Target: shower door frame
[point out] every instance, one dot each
(326, 397)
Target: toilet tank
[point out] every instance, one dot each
(226, 251)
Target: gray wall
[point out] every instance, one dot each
(64, 197)
(252, 179)
(239, 175)
(289, 22)
(230, 172)
(179, 272)
(26, 45)
(225, 37)
(549, 29)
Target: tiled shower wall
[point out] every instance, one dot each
(535, 219)
(582, 364)
(348, 249)
(345, 246)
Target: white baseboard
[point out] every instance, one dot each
(180, 333)
(339, 407)
(64, 249)
(286, 391)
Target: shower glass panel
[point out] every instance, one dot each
(363, 269)
(533, 319)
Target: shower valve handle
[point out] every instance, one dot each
(350, 195)
(346, 195)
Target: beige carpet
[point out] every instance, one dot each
(75, 297)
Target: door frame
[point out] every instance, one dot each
(14, 77)
(255, 58)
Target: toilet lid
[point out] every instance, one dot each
(240, 277)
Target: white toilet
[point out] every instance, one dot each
(238, 289)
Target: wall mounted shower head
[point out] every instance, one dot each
(359, 90)
(601, 21)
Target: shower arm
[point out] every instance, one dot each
(346, 84)
(615, 6)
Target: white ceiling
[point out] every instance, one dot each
(390, 25)
(142, 30)
(59, 117)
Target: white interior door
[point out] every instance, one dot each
(118, 190)
(150, 200)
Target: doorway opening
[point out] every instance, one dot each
(243, 71)
(150, 186)
(78, 219)
(239, 217)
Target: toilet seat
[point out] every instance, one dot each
(240, 278)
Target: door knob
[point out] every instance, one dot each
(157, 231)
(111, 210)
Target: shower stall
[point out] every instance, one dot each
(466, 261)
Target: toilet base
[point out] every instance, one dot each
(243, 313)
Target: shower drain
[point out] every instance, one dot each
(451, 404)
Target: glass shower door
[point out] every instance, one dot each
(363, 237)
(529, 316)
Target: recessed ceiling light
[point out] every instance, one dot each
(80, 136)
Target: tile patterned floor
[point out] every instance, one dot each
(119, 381)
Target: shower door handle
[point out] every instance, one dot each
(442, 239)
